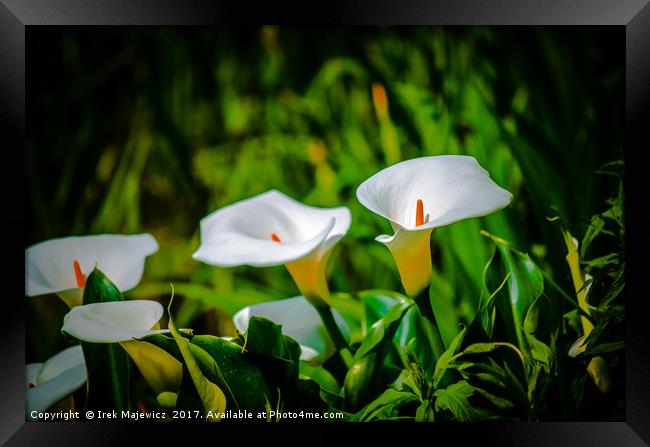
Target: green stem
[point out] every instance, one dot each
(424, 304)
(335, 333)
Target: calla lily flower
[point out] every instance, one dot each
(126, 322)
(60, 265)
(299, 321)
(424, 193)
(273, 229)
(49, 382)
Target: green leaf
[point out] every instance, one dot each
(596, 226)
(603, 348)
(498, 401)
(100, 289)
(107, 364)
(384, 329)
(603, 261)
(212, 397)
(411, 330)
(525, 285)
(161, 370)
(363, 375)
(385, 406)
(321, 376)
(447, 357)
(455, 398)
(277, 354)
(244, 380)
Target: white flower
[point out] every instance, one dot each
(424, 193)
(300, 321)
(61, 265)
(272, 229)
(126, 322)
(113, 322)
(49, 382)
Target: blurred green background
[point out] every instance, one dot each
(150, 129)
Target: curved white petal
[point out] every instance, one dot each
(411, 250)
(299, 321)
(67, 359)
(241, 233)
(49, 265)
(451, 187)
(51, 381)
(50, 392)
(113, 322)
(31, 374)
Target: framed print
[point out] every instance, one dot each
(436, 229)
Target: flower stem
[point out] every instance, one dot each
(424, 304)
(334, 332)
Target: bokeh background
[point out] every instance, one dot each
(150, 129)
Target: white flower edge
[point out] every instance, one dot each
(420, 194)
(451, 187)
(240, 233)
(113, 322)
(300, 321)
(49, 382)
(49, 264)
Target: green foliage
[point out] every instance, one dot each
(364, 374)
(168, 125)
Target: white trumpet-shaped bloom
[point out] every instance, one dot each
(300, 321)
(273, 229)
(49, 382)
(61, 265)
(421, 194)
(113, 322)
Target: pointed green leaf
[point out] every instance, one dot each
(212, 397)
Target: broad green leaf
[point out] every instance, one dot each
(277, 356)
(243, 379)
(160, 369)
(264, 339)
(525, 284)
(455, 398)
(385, 406)
(212, 398)
(100, 289)
(107, 364)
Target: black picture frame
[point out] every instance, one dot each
(634, 15)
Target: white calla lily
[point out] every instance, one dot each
(113, 322)
(126, 322)
(273, 229)
(300, 321)
(424, 193)
(49, 382)
(60, 265)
